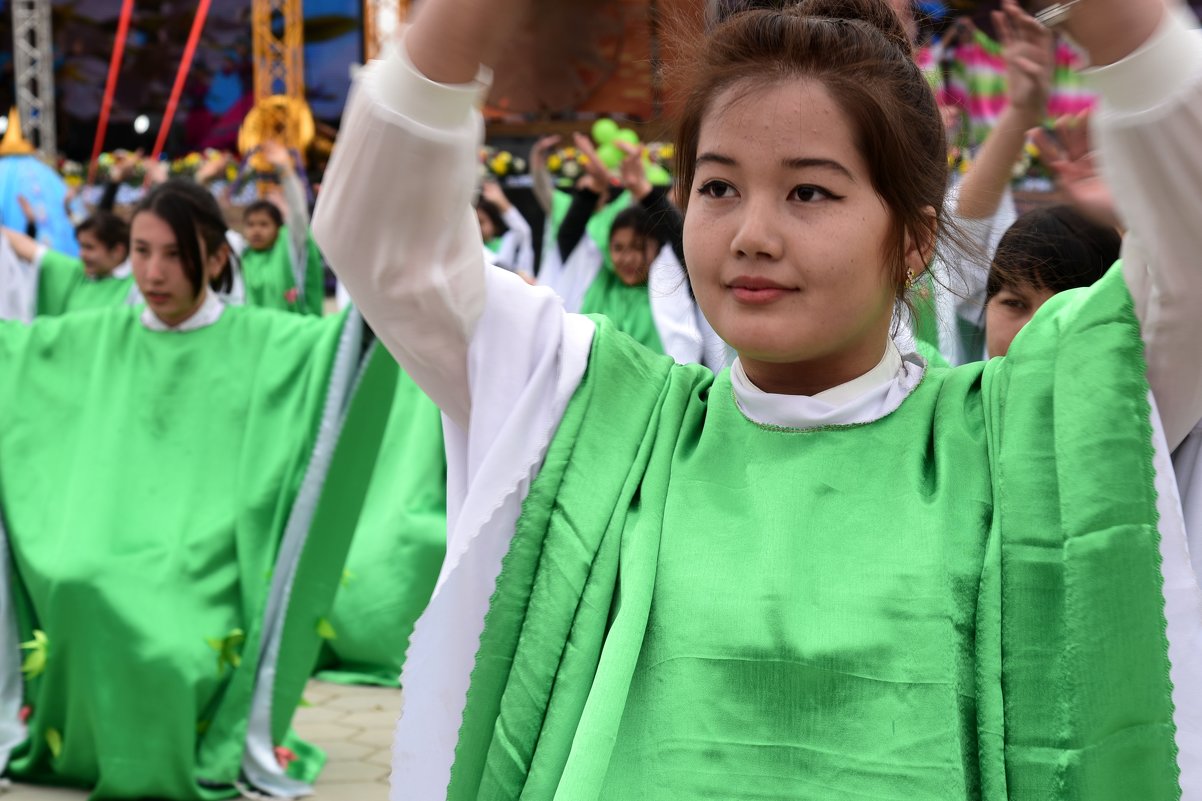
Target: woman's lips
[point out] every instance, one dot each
(757, 291)
(157, 297)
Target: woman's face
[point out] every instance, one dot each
(785, 238)
(98, 259)
(632, 255)
(159, 271)
(1008, 311)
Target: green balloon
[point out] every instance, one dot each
(604, 131)
(628, 136)
(611, 155)
(658, 176)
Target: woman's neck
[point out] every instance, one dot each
(196, 307)
(814, 376)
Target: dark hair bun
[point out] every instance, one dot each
(877, 13)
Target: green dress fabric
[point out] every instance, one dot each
(399, 542)
(271, 282)
(156, 491)
(64, 287)
(629, 307)
(961, 600)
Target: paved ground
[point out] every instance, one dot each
(353, 724)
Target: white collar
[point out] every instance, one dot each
(122, 270)
(209, 312)
(862, 400)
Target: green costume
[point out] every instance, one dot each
(399, 543)
(157, 492)
(271, 280)
(961, 600)
(629, 307)
(64, 287)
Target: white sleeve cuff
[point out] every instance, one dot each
(1161, 69)
(403, 89)
(514, 219)
(38, 255)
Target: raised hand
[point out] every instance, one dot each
(1069, 155)
(212, 168)
(27, 209)
(633, 171)
(1029, 51)
(538, 153)
(492, 192)
(277, 155)
(124, 164)
(594, 167)
(157, 172)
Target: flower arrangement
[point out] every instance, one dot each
(132, 168)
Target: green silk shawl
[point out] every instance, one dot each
(271, 282)
(400, 540)
(64, 287)
(157, 490)
(961, 600)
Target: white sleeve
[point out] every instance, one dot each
(577, 272)
(395, 222)
(500, 358)
(519, 243)
(18, 285)
(1149, 130)
(673, 309)
(298, 227)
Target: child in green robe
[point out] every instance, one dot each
(98, 278)
(831, 572)
(281, 266)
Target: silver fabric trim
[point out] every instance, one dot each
(259, 764)
(12, 730)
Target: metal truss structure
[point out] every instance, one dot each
(33, 71)
(278, 28)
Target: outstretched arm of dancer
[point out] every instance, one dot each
(26, 247)
(1149, 73)
(1027, 48)
(413, 260)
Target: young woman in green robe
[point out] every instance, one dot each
(830, 572)
(100, 277)
(166, 554)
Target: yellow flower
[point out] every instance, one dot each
(667, 152)
(554, 162)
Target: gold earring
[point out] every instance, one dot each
(909, 279)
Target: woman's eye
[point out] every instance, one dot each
(716, 190)
(809, 194)
(1014, 304)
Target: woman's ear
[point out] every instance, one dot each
(216, 261)
(920, 244)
